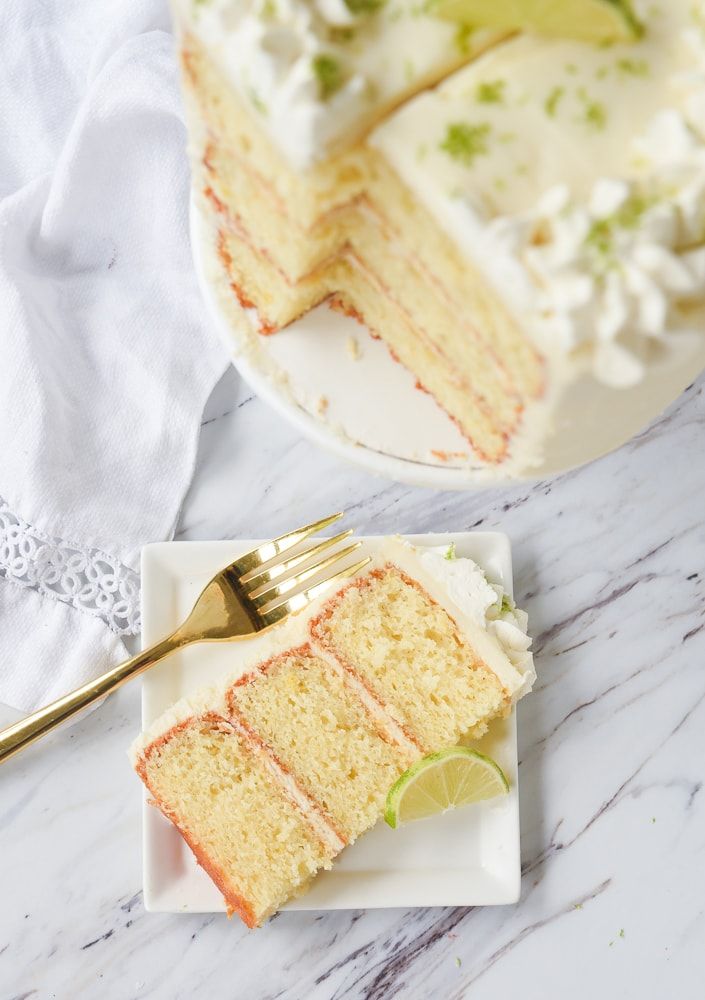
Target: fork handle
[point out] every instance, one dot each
(39, 723)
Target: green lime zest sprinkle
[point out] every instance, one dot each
(466, 142)
(329, 74)
(462, 38)
(596, 115)
(491, 92)
(450, 552)
(633, 67)
(594, 112)
(364, 6)
(257, 101)
(621, 932)
(507, 604)
(550, 105)
(341, 33)
(458, 962)
(602, 232)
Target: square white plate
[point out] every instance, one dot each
(465, 858)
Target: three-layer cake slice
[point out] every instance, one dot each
(272, 773)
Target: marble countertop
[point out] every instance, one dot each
(610, 563)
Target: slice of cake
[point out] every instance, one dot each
(272, 773)
(536, 214)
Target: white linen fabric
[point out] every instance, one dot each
(106, 355)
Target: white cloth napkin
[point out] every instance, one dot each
(106, 354)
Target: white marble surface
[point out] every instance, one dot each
(610, 562)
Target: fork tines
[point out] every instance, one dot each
(273, 586)
(275, 610)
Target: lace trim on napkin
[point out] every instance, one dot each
(87, 579)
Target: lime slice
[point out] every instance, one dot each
(443, 780)
(587, 20)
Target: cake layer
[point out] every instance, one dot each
(409, 650)
(243, 828)
(314, 722)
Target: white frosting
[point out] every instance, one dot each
(581, 190)
(486, 604)
(269, 48)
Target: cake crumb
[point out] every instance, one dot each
(322, 405)
(447, 456)
(353, 348)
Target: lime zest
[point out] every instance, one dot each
(465, 142)
(553, 100)
(328, 73)
(364, 6)
(490, 92)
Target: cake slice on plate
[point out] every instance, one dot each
(271, 774)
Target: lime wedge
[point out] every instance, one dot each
(587, 20)
(443, 780)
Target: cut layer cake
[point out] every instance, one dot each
(503, 212)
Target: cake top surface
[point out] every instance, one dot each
(317, 72)
(574, 174)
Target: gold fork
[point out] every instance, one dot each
(253, 593)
